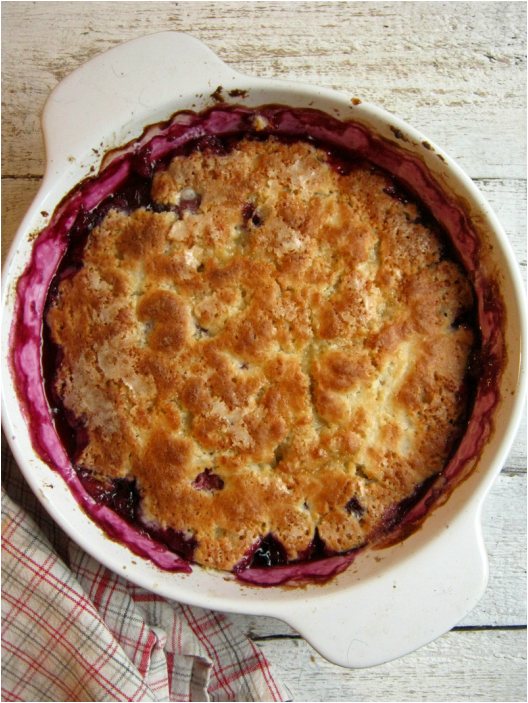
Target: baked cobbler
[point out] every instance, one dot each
(262, 350)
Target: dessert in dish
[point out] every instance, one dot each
(258, 349)
(429, 568)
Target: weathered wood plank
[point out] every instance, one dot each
(457, 74)
(17, 196)
(460, 666)
(504, 526)
(516, 462)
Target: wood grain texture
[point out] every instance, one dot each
(455, 71)
(476, 665)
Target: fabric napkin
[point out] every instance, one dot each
(75, 631)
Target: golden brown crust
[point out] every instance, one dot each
(294, 335)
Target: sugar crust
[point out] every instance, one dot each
(295, 335)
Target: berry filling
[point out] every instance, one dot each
(208, 481)
(354, 507)
(123, 497)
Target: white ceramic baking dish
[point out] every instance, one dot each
(390, 601)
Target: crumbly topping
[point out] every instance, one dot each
(281, 357)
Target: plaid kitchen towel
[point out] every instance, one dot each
(74, 631)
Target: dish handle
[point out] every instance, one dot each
(425, 590)
(99, 105)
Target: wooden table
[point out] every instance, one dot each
(457, 72)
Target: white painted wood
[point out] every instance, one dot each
(457, 72)
(477, 665)
(504, 525)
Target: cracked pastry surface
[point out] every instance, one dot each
(276, 352)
